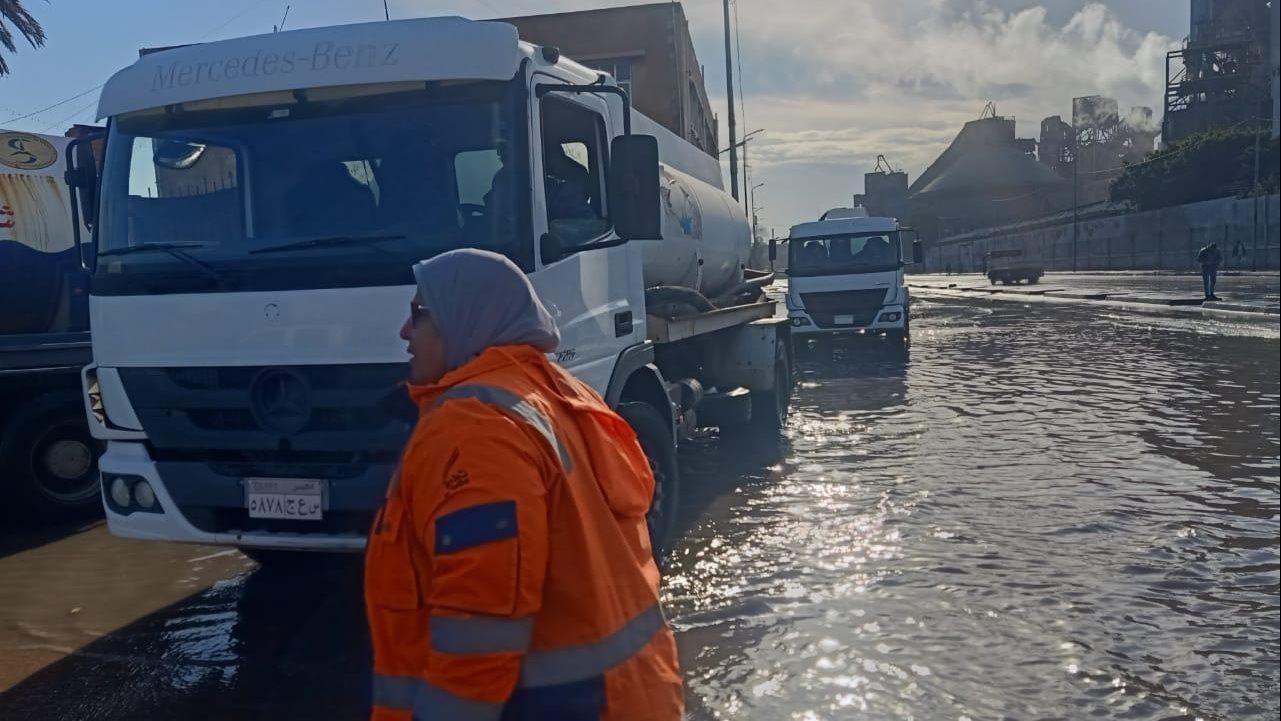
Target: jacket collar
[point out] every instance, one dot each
(490, 360)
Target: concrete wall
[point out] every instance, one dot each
(1166, 239)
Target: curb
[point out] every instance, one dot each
(1156, 304)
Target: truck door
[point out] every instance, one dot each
(589, 292)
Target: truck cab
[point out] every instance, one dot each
(262, 202)
(845, 275)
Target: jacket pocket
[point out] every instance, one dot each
(391, 579)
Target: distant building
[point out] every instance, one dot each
(986, 177)
(648, 50)
(1222, 76)
(1093, 150)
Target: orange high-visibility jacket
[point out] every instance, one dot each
(510, 575)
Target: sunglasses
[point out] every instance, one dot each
(417, 312)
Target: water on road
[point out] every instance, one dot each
(1040, 512)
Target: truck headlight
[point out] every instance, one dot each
(144, 495)
(892, 317)
(120, 494)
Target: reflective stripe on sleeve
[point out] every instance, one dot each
(574, 663)
(508, 401)
(429, 703)
(464, 636)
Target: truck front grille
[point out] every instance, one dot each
(861, 305)
(285, 409)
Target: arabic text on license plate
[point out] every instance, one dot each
(844, 320)
(294, 499)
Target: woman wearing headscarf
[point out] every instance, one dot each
(509, 574)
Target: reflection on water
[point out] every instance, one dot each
(1038, 514)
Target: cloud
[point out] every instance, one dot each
(846, 80)
(836, 82)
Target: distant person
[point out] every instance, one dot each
(1209, 257)
(509, 575)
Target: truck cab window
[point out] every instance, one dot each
(172, 181)
(573, 153)
(350, 186)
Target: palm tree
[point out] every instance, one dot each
(13, 13)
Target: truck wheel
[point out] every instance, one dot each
(656, 440)
(991, 279)
(1034, 280)
(52, 460)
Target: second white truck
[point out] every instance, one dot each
(262, 201)
(845, 275)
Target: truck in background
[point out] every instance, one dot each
(262, 201)
(845, 275)
(48, 459)
(1010, 266)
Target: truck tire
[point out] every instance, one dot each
(51, 461)
(656, 440)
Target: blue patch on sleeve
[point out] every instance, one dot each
(475, 526)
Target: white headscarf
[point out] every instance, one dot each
(480, 299)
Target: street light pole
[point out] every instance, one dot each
(729, 89)
(751, 201)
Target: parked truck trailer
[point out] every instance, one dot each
(262, 201)
(47, 456)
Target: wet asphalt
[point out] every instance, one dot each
(1034, 512)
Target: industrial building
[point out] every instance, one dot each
(1223, 75)
(648, 50)
(986, 177)
(1092, 151)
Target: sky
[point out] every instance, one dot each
(833, 83)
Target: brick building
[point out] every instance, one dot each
(648, 50)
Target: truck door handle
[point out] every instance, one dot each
(622, 324)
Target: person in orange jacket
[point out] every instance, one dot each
(509, 574)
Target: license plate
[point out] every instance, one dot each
(844, 320)
(292, 499)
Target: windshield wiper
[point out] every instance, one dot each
(333, 242)
(174, 249)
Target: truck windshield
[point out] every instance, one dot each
(321, 188)
(845, 254)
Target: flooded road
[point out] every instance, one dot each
(1041, 512)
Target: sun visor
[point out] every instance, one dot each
(404, 50)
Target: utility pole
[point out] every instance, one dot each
(1254, 192)
(1076, 166)
(729, 88)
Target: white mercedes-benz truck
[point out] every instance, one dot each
(261, 202)
(845, 275)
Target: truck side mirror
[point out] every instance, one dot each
(918, 252)
(82, 180)
(633, 187)
(773, 249)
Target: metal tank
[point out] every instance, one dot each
(706, 237)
